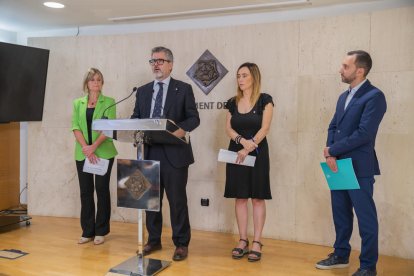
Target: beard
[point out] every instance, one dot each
(158, 74)
(349, 79)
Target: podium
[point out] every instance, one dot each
(138, 181)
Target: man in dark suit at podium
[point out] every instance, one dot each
(171, 99)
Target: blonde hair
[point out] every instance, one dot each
(89, 76)
(257, 78)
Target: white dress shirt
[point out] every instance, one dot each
(351, 93)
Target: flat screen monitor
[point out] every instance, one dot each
(23, 72)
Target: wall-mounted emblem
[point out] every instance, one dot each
(207, 72)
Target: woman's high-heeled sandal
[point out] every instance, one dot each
(255, 256)
(240, 251)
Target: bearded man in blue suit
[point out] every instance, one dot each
(351, 134)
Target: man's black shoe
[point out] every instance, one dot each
(332, 262)
(149, 248)
(180, 253)
(365, 272)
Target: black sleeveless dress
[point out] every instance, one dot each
(245, 181)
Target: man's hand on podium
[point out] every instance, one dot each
(180, 133)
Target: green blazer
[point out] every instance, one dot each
(105, 150)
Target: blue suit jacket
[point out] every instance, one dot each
(352, 132)
(179, 107)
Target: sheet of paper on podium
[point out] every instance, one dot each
(344, 178)
(228, 156)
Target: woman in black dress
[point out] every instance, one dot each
(247, 124)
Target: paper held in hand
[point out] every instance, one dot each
(344, 179)
(99, 168)
(228, 156)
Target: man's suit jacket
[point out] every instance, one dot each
(179, 107)
(352, 131)
(106, 149)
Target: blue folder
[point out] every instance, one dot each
(344, 178)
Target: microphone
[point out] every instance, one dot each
(133, 91)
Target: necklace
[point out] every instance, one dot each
(91, 102)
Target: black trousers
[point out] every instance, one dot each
(92, 226)
(174, 182)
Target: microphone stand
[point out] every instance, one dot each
(106, 118)
(103, 114)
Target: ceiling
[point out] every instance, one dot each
(32, 15)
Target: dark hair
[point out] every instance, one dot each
(166, 51)
(362, 60)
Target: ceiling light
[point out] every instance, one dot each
(54, 5)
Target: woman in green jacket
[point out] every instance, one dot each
(94, 146)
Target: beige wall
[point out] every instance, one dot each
(299, 62)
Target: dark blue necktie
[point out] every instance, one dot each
(156, 113)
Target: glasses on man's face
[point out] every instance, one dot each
(158, 61)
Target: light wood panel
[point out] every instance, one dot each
(53, 250)
(9, 165)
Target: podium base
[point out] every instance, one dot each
(140, 266)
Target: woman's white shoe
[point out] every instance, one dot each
(99, 240)
(83, 240)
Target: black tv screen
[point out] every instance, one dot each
(23, 72)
